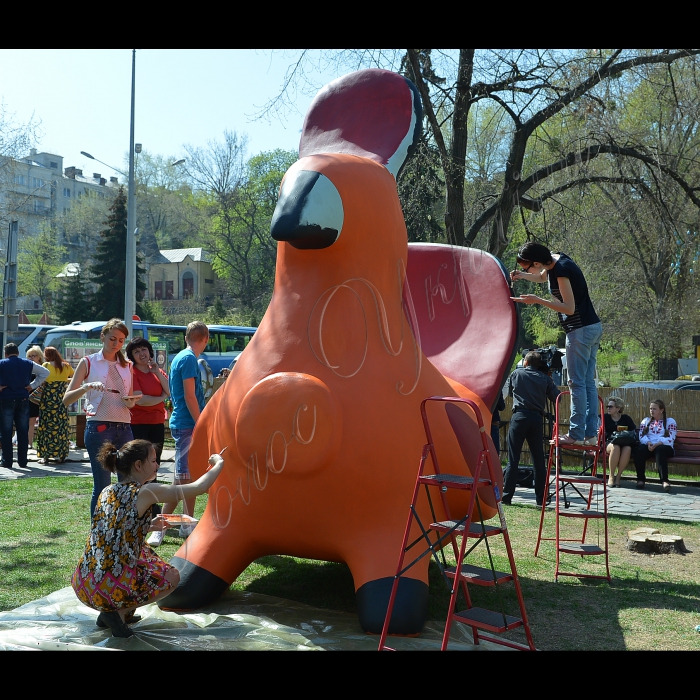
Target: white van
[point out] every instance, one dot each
(26, 335)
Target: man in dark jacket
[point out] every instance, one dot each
(18, 377)
(530, 388)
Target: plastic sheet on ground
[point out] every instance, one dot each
(237, 621)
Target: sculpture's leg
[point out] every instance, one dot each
(373, 571)
(410, 605)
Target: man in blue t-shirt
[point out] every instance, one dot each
(187, 396)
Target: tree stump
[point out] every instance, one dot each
(646, 540)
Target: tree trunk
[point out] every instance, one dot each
(509, 198)
(454, 180)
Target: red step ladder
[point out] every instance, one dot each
(469, 528)
(583, 483)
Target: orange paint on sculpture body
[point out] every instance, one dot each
(323, 406)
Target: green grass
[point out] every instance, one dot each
(651, 603)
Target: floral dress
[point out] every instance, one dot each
(53, 433)
(118, 569)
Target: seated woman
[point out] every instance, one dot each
(618, 456)
(657, 433)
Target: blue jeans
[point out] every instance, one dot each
(96, 434)
(14, 411)
(581, 350)
(183, 439)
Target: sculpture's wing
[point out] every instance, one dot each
(458, 301)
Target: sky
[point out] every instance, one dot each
(183, 96)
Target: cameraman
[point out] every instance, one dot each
(530, 386)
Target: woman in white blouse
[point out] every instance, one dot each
(657, 433)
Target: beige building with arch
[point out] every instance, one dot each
(182, 273)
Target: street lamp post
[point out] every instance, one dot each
(130, 282)
(130, 276)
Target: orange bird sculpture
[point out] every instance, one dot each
(322, 411)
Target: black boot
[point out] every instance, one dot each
(115, 623)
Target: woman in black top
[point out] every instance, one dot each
(618, 457)
(583, 331)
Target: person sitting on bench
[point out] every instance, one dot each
(657, 433)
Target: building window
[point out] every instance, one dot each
(169, 293)
(159, 290)
(37, 182)
(19, 180)
(36, 304)
(206, 281)
(66, 192)
(53, 164)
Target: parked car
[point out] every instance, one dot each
(672, 384)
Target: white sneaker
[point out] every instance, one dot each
(155, 539)
(186, 530)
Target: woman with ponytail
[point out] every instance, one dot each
(105, 379)
(118, 571)
(582, 326)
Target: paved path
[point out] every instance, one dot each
(77, 464)
(683, 503)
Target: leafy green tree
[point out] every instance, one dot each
(38, 263)
(239, 198)
(109, 270)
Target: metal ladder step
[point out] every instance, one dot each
(582, 549)
(488, 620)
(479, 575)
(568, 513)
(451, 481)
(475, 529)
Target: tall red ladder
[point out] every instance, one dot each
(578, 482)
(458, 576)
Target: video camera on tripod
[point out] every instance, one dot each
(550, 358)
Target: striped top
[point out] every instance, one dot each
(112, 407)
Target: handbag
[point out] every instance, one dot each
(625, 438)
(35, 396)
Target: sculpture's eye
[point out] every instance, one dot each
(309, 212)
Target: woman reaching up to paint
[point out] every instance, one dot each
(118, 571)
(583, 331)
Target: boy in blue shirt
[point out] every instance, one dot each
(187, 396)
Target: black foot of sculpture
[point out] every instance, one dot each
(198, 587)
(410, 606)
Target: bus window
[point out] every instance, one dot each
(41, 337)
(18, 336)
(213, 344)
(174, 337)
(233, 344)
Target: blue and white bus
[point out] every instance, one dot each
(226, 343)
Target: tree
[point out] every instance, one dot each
(73, 302)
(38, 262)
(16, 139)
(533, 90)
(166, 212)
(109, 270)
(239, 199)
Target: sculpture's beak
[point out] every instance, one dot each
(309, 212)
